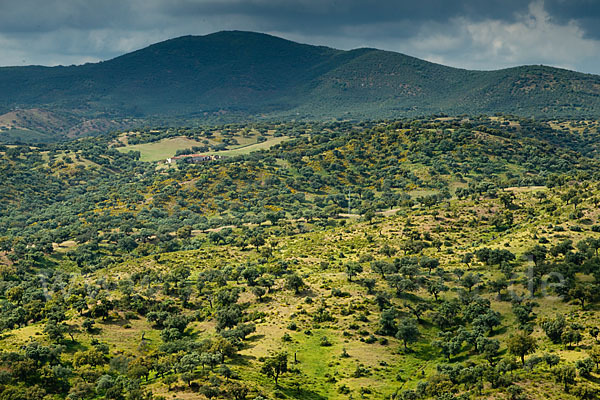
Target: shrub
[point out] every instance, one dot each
(324, 342)
(371, 339)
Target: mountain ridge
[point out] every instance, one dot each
(238, 75)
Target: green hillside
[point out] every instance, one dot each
(234, 76)
(426, 258)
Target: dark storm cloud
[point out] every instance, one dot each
(586, 13)
(349, 10)
(328, 16)
(465, 33)
(34, 16)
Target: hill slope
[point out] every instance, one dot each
(244, 74)
(422, 259)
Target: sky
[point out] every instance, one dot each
(473, 34)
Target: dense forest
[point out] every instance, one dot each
(420, 258)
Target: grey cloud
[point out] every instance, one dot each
(327, 16)
(565, 10)
(464, 33)
(350, 10)
(26, 16)
(584, 13)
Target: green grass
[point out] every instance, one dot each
(271, 141)
(160, 150)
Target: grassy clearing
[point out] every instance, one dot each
(160, 150)
(271, 141)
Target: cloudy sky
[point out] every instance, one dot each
(475, 34)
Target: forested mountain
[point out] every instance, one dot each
(243, 75)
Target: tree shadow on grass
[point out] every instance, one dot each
(254, 338)
(306, 292)
(265, 299)
(591, 307)
(425, 324)
(240, 360)
(194, 334)
(73, 347)
(458, 358)
(424, 352)
(250, 340)
(594, 379)
(499, 331)
(407, 296)
(301, 393)
(115, 321)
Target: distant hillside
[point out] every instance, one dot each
(240, 75)
(36, 125)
